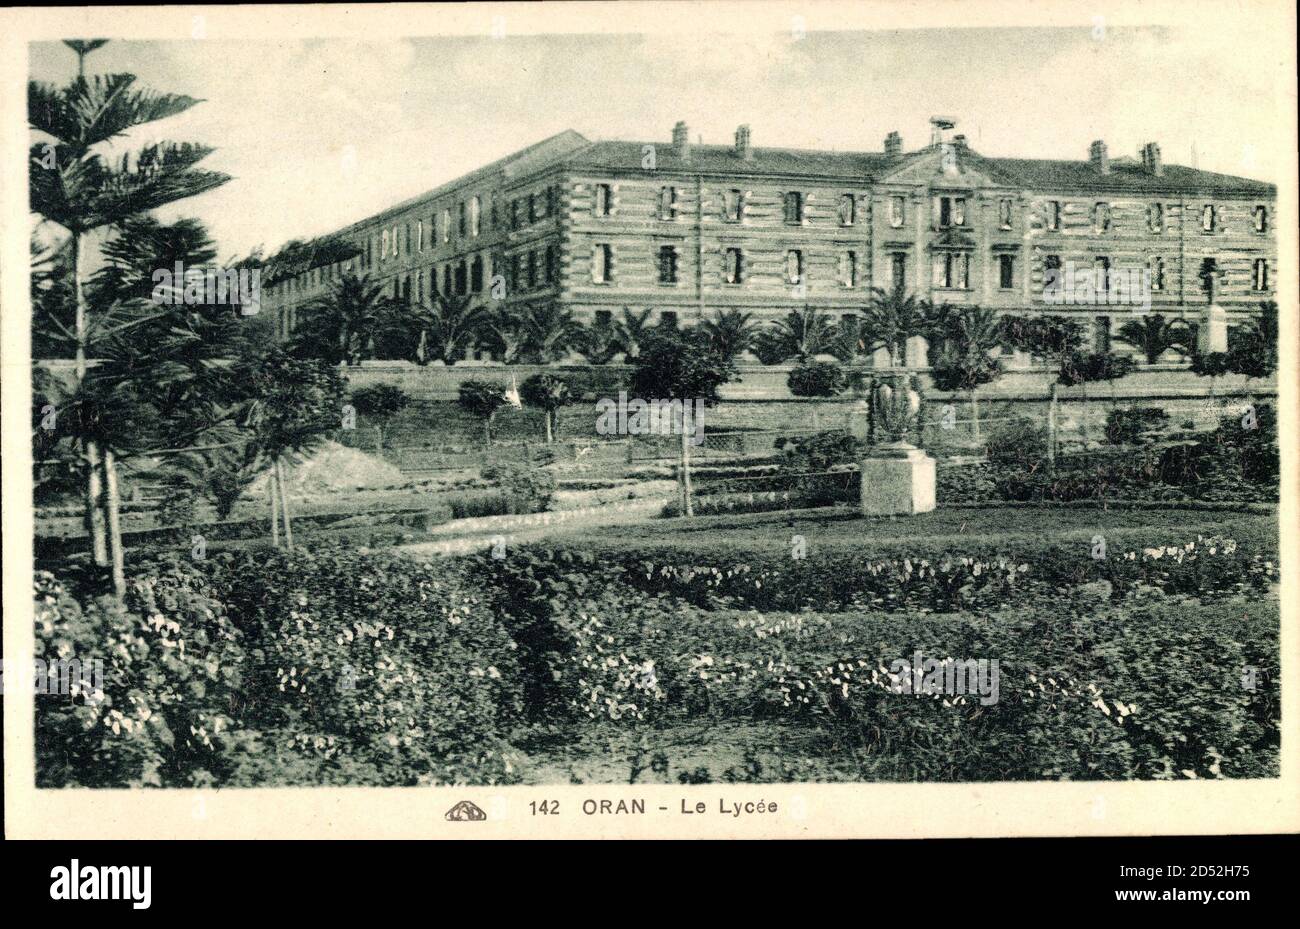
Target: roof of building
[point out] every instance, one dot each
(1125, 174)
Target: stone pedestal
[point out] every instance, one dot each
(858, 422)
(897, 479)
(1213, 334)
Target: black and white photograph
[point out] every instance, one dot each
(644, 419)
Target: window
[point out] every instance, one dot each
(897, 211)
(383, 250)
(733, 206)
(552, 267)
(462, 279)
(602, 262)
(1101, 265)
(1209, 218)
(447, 289)
(849, 269)
(1101, 217)
(419, 235)
(733, 266)
(667, 202)
(1157, 274)
(952, 270)
(794, 267)
(475, 208)
(1004, 213)
(848, 209)
(515, 265)
(604, 317)
(1006, 272)
(949, 211)
(1259, 278)
(604, 200)
(532, 269)
(446, 226)
(667, 319)
(1053, 215)
(793, 207)
(667, 264)
(898, 270)
(1261, 218)
(514, 213)
(494, 212)
(552, 200)
(1156, 217)
(476, 275)
(532, 208)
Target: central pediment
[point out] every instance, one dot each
(946, 167)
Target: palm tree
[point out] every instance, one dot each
(1154, 336)
(893, 317)
(448, 327)
(80, 190)
(803, 334)
(633, 329)
(731, 334)
(964, 340)
(599, 343)
(342, 325)
(550, 333)
(851, 339)
(504, 333)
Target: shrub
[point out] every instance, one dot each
(816, 379)
(527, 489)
(1128, 426)
(322, 666)
(1019, 443)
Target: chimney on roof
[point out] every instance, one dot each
(743, 148)
(1151, 162)
(893, 145)
(959, 141)
(682, 141)
(939, 127)
(1098, 157)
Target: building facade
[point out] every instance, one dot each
(686, 230)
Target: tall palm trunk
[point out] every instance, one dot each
(684, 468)
(284, 503)
(116, 552)
(1051, 424)
(975, 416)
(94, 517)
(550, 433)
(275, 507)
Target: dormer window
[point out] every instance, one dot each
(604, 200)
(848, 209)
(1209, 218)
(1053, 215)
(897, 212)
(733, 206)
(1004, 213)
(1261, 218)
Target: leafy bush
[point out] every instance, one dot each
(1019, 443)
(275, 668)
(816, 379)
(528, 489)
(1127, 426)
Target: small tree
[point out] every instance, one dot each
(677, 366)
(964, 339)
(482, 399)
(548, 393)
(293, 403)
(1155, 335)
(380, 403)
(1055, 339)
(731, 334)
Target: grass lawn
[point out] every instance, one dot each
(844, 527)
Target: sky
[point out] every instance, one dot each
(318, 134)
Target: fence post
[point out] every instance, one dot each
(1051, 425)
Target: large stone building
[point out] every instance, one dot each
(686, 229)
